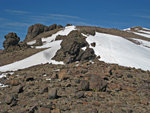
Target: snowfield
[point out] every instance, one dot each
(115, 49)
(41, 57)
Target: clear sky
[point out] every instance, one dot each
(18, 15)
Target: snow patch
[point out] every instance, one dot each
(4, 74)
(84, 48)
(115, 49)
(142, 34)
(49, 79)
(31, 42)
(2, 85)
(143, 43)
(146, 32)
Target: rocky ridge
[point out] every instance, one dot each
(83, 85)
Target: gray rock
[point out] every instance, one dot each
(11, 99)
(79, 95)
(52, 93)
(84, 85)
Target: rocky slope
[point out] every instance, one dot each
(61, 70)
(90, 87)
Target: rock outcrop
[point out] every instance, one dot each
(11, 42)
(71, 48)
(37, 29)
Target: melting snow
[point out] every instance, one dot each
(2, 85)
(31, 42)
(84, 48)
(43, 56)
(142, 34)
(143, 43)
(4, 74)
(115, 49)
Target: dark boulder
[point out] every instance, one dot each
(52, 93)
(97, 83)
(52, 27)
(23, 45)
(59, 26)
(86, 55)
(38, 42)
(11, 40)
(84, 85)
(71, 49)
(68, 24)
(35, 30)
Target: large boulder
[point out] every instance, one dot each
(71, 49)
(12, 43)
(35, 30)
(86, 55)
(11, 40)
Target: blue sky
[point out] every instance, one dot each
(18, 15)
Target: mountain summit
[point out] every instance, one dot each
(76, 69)
(129, 47)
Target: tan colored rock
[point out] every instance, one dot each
(56, 111)
(63, 75)
(43, 110)
(14, 82)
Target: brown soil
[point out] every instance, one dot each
(1, 51)
(10, 57)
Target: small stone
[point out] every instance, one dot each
(54, 76)
(63, 75)
(79, 95)
(8, 99)
(129, 76)
(56, 111)
(11, 100)
(93, 44)
(45, 89)
(68, 85)
(52, 93)
(43, 110)
(97, 83)
(84, 85)
(29, 78)
(14, 82)
(18, 89)
(77, 81)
